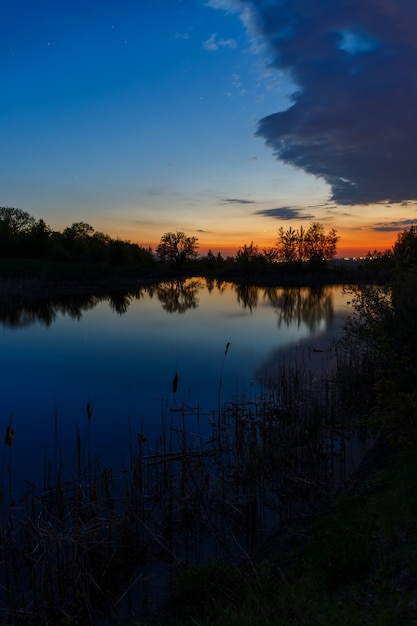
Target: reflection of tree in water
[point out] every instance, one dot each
(211, 283)
(120, 302)
(247, 296)
(308, 305)
(45, 312)
(178, 296)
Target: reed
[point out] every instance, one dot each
(179, 502)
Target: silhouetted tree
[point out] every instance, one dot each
(78, 231)
(270, 255)
(177, 247)
(211, 259)
(15, 224)
(405, 248)
(15, 221)
(76, 240)
(319, 246)
(313, 245)
(288, 245)
(21, 235)
(38, 240)
(249, 256)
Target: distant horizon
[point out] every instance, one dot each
(345, 247)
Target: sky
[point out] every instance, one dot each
(225, 119)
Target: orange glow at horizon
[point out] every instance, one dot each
(353, 242)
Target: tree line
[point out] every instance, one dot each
(23, 236)
(313, 245)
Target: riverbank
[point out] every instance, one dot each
(23, 280)
(352, 560)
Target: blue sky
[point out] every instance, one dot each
(223, 118)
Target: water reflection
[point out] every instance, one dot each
(119, 352)
(248, 296)
(46, 311)
(177, 296)
(120, 302)
(311, 306)
(212, 283)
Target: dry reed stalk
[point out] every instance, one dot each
(266, 460)
(9, 436)
(175, 383)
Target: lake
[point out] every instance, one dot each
(120, 355)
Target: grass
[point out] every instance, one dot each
(87, 545)
(352, 558)
(354, 564)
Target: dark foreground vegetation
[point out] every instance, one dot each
(261, 523)
(353, 558)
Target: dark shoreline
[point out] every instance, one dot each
(25, 282)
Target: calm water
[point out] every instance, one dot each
(120, 354)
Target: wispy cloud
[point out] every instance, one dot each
(392, 226)
(285, 213)
(212, 43)
(237, 201)
(353, 118)
(181, 35)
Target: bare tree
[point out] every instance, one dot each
(177, 247)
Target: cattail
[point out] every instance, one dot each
(141, 438)
(89, 410)
(175, 383)
(227, 348)
(8, 439)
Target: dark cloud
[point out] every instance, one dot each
(392, 226)
(285, 213)
(237, 201)
(353, 121)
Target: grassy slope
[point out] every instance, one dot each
(353, 563)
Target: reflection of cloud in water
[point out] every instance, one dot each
(313, 354)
